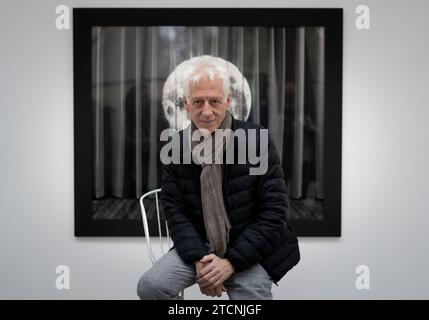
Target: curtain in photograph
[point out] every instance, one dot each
(284, 68)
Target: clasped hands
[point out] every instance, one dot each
(212, 271)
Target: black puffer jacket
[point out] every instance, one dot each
(256, 205)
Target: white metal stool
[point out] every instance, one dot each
(164, 250)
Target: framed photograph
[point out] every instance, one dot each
(286, 76)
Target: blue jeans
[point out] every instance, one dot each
(170, 275)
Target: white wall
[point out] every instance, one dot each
(385, 181)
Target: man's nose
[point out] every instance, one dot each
(207, 109)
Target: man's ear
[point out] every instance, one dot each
(185, 103)
(229, 100)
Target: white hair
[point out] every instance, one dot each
(212, 67)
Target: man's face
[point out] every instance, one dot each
(207, 105)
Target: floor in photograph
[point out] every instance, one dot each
(113, 208)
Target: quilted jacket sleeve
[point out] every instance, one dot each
(269, 228)
(187, 241)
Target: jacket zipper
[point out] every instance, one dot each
(225, 168)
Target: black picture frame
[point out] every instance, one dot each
(85, 18)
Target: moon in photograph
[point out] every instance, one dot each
(172, 95)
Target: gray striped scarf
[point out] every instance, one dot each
(216, 219)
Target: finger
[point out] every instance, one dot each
(198, 270)
(207, 283)
(205, 291)
(209, 278)
(208, 258)
(207, 273)
(216, 281)
(208, 267)
(202, 290)
(216, 284)
(219, 291)
(198, 273)
(223, 288)
(212, 293)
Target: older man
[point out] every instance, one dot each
(229, 228)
